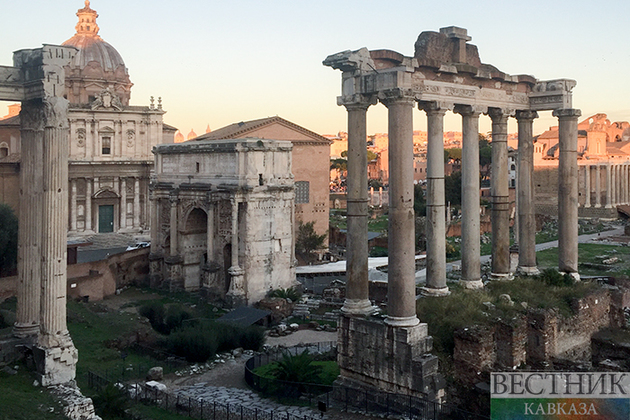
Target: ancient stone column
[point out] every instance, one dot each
(499, 189)
(598, 186)
(357, 300)
(57, 355)
(123, 203)
(210, 233)
(174, 231)
(608, 186)
(88, 204)
(568, 190)
(236, 292)
(401, 287)
(587, 186)
(29, 219)
(436, 208)
(470, 245)
(73, 205)
(136, 203)
(525, 191)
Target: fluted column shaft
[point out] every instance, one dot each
(234, 234)
(155, 209)
(436, 207)
(568, 189)
(29, 219)
(88, 204)
(136, 203)
(123, 203)
(525, 191)
(55, 228)
(210, 233)
(357, 293)
(401, 287)
(499, 189)
(470, 245)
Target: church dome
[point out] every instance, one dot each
(95, 60)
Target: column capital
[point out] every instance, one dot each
(357, 102)
(566, 113)
(470, 110)
(435, 107)
(396, 96)
(526, 114)
(500, 114)
(173, 199)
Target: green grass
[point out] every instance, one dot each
(330, 371)
(589, 253)
(380, 224)
(19, 400)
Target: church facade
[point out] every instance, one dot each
(110, 156)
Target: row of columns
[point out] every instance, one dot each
(617, 184)
(92, 184)
(401, 271)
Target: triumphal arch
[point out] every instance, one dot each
(445, 74)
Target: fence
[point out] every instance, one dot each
(193, 407)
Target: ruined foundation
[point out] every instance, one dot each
(374, 354)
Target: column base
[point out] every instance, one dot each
(236, 296)
(501, 276)
(528, 271)
(25, 330)
(471, 284)
(587, 206)
(358, 307)
(432, 292)
(575, 275)
(56, 364)
(402, 321)
(608, 206)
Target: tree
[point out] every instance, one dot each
(8, 239)
(454, 153)
(371, 156)
(307, 239)
(485, 156)
(453, 188)
(298, 368)
(419, 202)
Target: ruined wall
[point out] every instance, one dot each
(543, 336)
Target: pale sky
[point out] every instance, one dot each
(218, 62)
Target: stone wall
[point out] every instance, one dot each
(541, 337)
(97, 279)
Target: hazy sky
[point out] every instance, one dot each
(222, 61)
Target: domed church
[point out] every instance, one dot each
(110, 141)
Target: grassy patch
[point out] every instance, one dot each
(329, 372)
(593, 254)
(19, 400)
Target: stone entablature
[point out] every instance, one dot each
(433, 76)
(223, 218)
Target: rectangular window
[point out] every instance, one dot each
(106, 146)
(301, 192)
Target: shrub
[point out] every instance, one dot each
(162, 320)
(111, 402)
(299, 368)
(288, 293)
(552, 277)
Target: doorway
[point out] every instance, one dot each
(106, 218)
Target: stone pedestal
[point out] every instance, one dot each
(374, 354)
(236, 295)
(56, 363)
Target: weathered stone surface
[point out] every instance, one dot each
(155, 374)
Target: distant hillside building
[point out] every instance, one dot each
(110, 141)
(311, 163)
